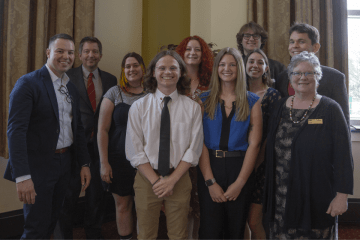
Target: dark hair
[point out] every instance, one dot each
(150, 83)
(266, 78)
(134, 55)
(92, 40)
(62, 36)
(311, 31)
(257, 29)
(124, 84)
(207, 58)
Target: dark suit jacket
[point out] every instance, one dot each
(33, 126)
(332, 85)
(88, 117)
(276, 68)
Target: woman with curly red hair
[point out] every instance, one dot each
(199, 61)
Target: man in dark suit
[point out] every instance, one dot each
(45, 135)
(91, 83)
(304, 37)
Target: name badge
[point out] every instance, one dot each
(315, 121)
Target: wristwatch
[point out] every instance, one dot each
(210, 182)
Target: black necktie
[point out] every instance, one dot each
(164, 146)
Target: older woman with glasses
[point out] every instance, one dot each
(309, 171)
(253, 36)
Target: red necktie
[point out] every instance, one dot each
(291, 91)
(91, 91)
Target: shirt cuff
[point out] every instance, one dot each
(23, 178)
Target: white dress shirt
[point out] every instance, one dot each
(65, 115)
(143, 130)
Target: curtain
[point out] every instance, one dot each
(25, 29)
(328, 16)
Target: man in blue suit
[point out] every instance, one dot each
(45, 135)
(90, 54)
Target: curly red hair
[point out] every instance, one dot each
(207, 58)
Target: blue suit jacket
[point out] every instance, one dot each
(33, 126)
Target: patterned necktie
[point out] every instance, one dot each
(91, 91)
(164, 146)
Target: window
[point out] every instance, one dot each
(353, 7)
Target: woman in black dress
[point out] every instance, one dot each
(259, 82)
(115, 168)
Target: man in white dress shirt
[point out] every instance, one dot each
(45, 135)
(166, 78)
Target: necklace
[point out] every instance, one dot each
(306, 112)
(228, 107)
(193, 80)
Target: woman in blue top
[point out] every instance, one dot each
(232, 132)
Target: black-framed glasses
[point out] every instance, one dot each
(63, 90)
(247, 36)
(306, 74)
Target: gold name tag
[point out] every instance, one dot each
(315, 121)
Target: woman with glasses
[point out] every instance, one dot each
(198, 58)
(309, 169)
(253, 36)
(259, 82)
(232, 131)
(115, 169)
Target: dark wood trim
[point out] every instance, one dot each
(352, 215)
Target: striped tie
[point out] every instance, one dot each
(91, 91)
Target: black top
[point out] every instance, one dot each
(321, 165)
(332, 85)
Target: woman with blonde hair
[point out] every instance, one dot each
(232, 131)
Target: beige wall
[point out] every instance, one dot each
(218, 21)
(8, 196)
(118, 25)
(355, 138)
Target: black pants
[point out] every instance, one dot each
(94, 204)
(223, 220)
(41, 217)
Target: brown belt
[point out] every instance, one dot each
(61, 150)
(171, 170)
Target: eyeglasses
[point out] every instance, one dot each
(306, 74)
(63, 90)
(247, 36)
(162, 68)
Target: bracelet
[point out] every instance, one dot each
(156, 181)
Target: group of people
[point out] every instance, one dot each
(217, 143)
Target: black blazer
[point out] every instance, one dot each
(332, 85)
(33, 126)
(88, 116)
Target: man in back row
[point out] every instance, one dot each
(92, 84)
(304, 37)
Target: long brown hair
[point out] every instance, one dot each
(150, 83)
(241, 102)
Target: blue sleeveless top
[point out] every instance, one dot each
(224, 133)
